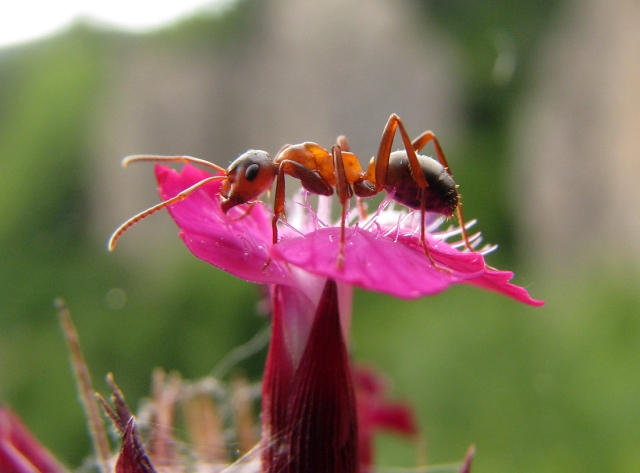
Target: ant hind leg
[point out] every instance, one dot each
(419, 143)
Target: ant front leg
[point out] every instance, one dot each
(310, 179)
(250, 206)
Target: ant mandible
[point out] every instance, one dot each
(417, 181)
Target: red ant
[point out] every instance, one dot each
(418, 182)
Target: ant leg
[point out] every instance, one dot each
(344, 146)
(419, 143)
(422, 140)
(423, 239)
(311, 180)
(342, 142)
(244, 214)
(278, 203)
(381, 162)
(465, 235)
(362, 208)
(344, 194)
(278, 209)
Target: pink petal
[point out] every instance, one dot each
(242, 246)
(322, 425)
(376, 412)
(235, 243)
(490, 279)
(395, 267)
(463, 265)
(309, 411)
(466, 464)
(498, 281)
(20, 451)
(276, 391)
(376, 262)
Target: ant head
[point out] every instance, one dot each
(248, 176)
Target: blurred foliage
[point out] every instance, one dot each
(551, 389)
(48, 96)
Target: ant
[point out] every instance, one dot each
(417, 181)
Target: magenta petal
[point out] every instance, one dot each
(463, 265)
(498, 281)
(376, 412)
(322, 426)
(466, 464)
(398, 268)
(20, 451)
(375, 262)
(276, 391)
(309, 412)
(375, 409)
(235, 243)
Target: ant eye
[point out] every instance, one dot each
(251, 172)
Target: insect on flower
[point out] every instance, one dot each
(416, 181)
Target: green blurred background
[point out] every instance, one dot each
(551, 389)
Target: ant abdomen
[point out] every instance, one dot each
(441, 194)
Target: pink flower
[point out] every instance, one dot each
(20, 451)
(381, 254)
(309, 409)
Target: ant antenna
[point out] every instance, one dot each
(166, 159)
(135, 219)
(181, 196)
